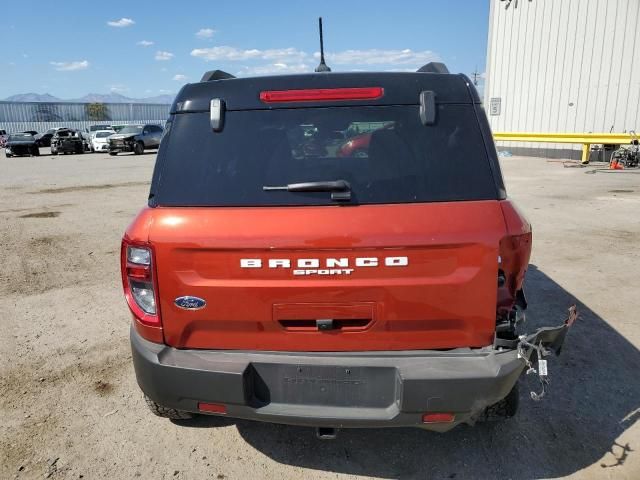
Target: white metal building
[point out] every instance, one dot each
(562, 66)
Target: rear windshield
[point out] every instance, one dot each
(20, 137)
(132, 129)
(385, 153)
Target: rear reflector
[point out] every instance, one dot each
(321, 94)
(212, 407)
(438, 418)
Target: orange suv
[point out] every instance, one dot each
(273, 278)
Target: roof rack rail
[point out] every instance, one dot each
(434, 67)
(215, 75)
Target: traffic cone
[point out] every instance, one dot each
(616, 165)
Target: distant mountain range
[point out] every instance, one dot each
(89, 98)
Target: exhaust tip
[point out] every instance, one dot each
(326, 433)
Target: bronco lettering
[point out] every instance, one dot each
(312, 266)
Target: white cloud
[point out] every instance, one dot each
(118, 89)
(162, 91)
(160, 55)
(380, 57)
(276, 68)
(180, 78)
(70, 66)
(123, 22)
(145, 43)
(236, 54)
(205, 33)
(292, 60)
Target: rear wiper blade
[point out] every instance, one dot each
(340, 189)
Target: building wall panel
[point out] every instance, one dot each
(564, 66)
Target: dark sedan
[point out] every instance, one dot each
(20, 144)
(67, 140)
(44, 139)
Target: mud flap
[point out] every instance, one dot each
(532, 348)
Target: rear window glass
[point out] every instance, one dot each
(20, 137)
(385, 153)
(132, 129)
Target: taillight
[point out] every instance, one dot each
(140, 288)
(321, 94)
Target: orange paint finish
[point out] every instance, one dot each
(515, 252)
(444, 297)
(148, 326)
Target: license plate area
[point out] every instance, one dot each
(321, 385)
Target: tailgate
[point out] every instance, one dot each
(329, 278)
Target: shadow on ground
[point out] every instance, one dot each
(593, 397)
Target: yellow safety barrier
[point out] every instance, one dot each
(586, 139)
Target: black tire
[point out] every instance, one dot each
(8, 155)
(504, 409)
(165, 412)
(113, 154)
(138, 149)
(36, 152)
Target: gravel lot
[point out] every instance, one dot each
(70, 406)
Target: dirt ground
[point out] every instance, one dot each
(69, 402)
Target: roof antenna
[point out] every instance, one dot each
(323, 66)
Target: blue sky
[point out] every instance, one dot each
(143, 48)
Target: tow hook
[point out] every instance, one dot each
(534, 347)
(326, 433)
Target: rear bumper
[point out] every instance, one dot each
(363, 389)
(69, 148)
(19, 150)
(125, 147)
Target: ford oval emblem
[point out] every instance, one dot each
(190, 303)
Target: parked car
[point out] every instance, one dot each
(19, 144)
(44, 139)
(136, 139)
(358, 145)
(94, 128)
(67, 140)
(272, 284)
(86, 141)
(100, 140)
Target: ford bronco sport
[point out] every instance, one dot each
(271, 279)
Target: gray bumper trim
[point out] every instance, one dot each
(399, 386)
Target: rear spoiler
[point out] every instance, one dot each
(433, 67)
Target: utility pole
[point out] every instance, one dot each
(475, 75)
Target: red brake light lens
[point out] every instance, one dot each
(321, 94)
(140, 289)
